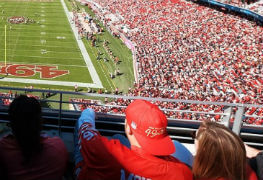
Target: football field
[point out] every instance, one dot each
(39, 46)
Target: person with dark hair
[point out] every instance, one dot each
(146, 154)
(220, 154)
(26, 153)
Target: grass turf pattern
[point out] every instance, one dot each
(49, 41)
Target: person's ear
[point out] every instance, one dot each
(127, 128)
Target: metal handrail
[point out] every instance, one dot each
(237, 125)
(133, 97)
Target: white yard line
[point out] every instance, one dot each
(49, 40)
(93, 73)
(47, 82)
(37, 45)
(52, 46)
(25, 50)
(54, 36)
(65, 65)
(46, 57)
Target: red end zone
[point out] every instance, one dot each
(24, 70)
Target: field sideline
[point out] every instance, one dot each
(44, 49)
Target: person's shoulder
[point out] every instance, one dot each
(51, 139)
(168, 163)
(7, 139)
(178, 164)
(55, 139)
(173, 161)
(53, 142)
(54, 146)
(180, 169)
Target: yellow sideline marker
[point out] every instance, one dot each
(5, 45)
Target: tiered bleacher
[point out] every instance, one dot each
(188, 51)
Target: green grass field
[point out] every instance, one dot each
(46, 49)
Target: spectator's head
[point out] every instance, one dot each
(219, 153)
(145, 127)
(25, 120)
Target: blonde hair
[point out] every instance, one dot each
(220, 154)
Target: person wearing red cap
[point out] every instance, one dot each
(149, 157)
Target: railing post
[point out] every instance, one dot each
(59, 115)
(226, 118)
(238, 120)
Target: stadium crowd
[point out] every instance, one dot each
(7, 98)
(253, 5)
(188, 51)
(180, 58)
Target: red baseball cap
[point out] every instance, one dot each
(148, 124)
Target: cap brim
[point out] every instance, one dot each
(158, 147)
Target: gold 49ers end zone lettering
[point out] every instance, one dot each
(109, 159)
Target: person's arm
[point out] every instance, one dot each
(92, 157)
(87, 116)
(251, 152)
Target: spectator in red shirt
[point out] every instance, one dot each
(26, 154)
(149, 156)
(220, 155)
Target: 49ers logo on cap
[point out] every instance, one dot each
(152, 132)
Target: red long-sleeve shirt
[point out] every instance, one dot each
(109, 159)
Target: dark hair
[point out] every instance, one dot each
(25, 119)
(220, 153)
